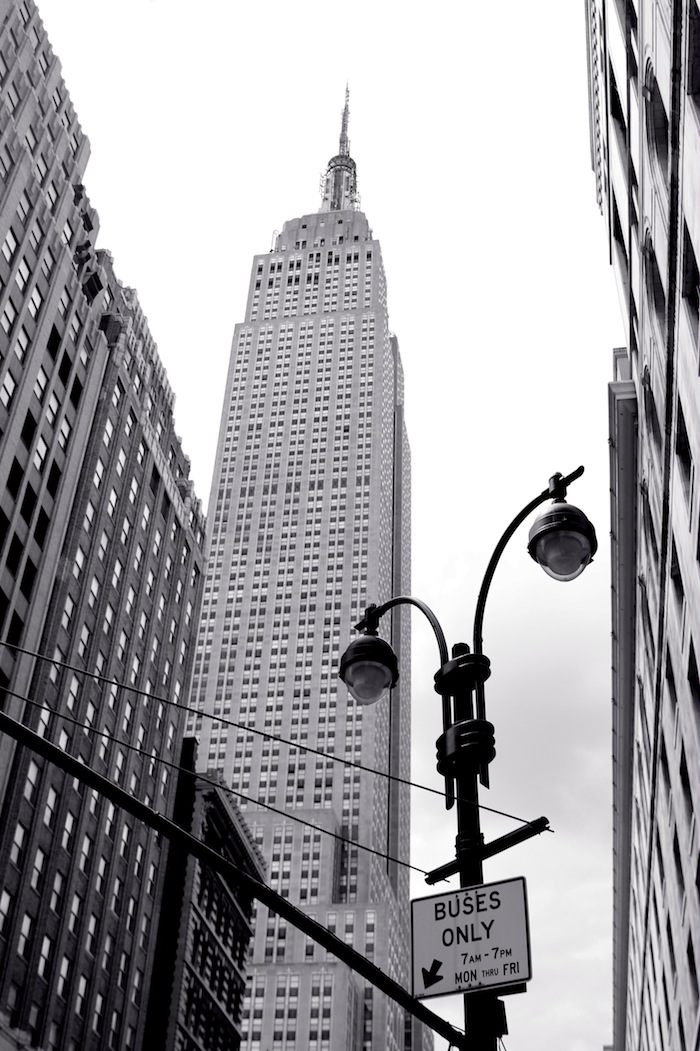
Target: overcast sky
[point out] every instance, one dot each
(210, 125)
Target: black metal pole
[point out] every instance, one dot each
(479, 1008)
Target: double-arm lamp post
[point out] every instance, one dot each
(563, 541)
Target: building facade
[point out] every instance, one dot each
(197, 994)
(309, 521)
(644, 80)
(101, 574)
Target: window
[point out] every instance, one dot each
(136, 988)
(9, 384)
(25, 935)
(123, 970)
(110, 820)
(123, 643)
(97, 1014)
(101, 875)
(108, 953)
(94, 592)
(109, 619)
(64, 433)
(57, 893)
(5, 910)
(31, 782)
(22, 344)
(124, 845)
(68, 832)
(44, 956)
(85, 853)
(52, 410)
(35, 302)
(84, 641)
(81, 995)
(38, 870)
(103, 546)
(47, 263)
(79, 563)
(73, 691)
(50, 808)
(138, 862)
(17, 848)
(40, 452)
(63, 973)
(117, 891)
(9, 246)
(23, 274)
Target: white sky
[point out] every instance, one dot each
(210, 125)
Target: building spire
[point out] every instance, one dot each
(344, 150)
(340, 181)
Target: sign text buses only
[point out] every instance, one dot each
(471, 938)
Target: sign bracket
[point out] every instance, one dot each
(487, 850)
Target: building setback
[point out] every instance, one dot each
(309, 521)
(100, 582)
(644, 80)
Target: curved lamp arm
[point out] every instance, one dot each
(556, 489)
(373, 615)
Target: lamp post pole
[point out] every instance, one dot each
(464, 750)
(563, 541)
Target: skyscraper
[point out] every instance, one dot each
(644, 80)
(100, 580)
(309, 520)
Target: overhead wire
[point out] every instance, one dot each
(261, 733)
(286, 814)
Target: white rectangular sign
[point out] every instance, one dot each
(471, 938)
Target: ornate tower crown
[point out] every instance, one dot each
(340, 183)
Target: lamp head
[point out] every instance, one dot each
(369, 668)
(562, 540)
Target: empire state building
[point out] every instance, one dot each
(310, 521)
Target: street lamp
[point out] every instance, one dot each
(563, 541)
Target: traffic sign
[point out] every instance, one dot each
(472, 938)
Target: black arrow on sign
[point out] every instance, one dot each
(430, 977)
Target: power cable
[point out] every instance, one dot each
(261, 733)
(212, 781)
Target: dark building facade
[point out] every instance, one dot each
(197, 993)
(100, 582)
